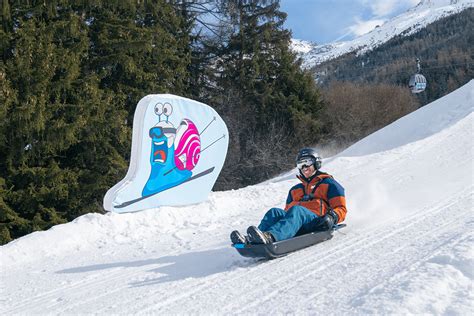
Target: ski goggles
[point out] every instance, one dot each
(305, 163)
(158, 131)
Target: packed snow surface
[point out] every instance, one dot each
(407, 249)
(407, 23)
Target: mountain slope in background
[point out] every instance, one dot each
(410, 22)
(407, 247)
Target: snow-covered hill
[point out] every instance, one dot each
(407, 249)
(426, 12)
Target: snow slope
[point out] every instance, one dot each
(411, 21)
(408, 246)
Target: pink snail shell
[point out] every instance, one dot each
(187, 145)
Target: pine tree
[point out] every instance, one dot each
(71, 75)
(39, 122)
(138, 46)
(271, 106)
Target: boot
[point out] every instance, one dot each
(256, 236)
(238, 238)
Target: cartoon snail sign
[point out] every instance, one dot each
(178, 149)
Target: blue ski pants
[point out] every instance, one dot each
(283, 225)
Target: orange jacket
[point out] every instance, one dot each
(318, 194)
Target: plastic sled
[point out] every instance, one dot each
(282, 248)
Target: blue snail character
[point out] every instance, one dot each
(164, 171)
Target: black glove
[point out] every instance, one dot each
(327, 221)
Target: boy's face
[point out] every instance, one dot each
(308, 171)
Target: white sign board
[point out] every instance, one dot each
(178, 149)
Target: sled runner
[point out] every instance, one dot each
(284, 247)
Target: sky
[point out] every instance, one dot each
(325, 21)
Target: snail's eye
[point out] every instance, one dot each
(167, 109)
(159, 108)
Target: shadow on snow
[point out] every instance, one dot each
(197, 264)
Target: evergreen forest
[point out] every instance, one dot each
(444, 49)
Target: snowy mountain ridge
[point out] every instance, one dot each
(407, 247)
(407, 23)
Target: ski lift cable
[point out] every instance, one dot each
(411, 58)
(401, 72)
(408, 61)
(405, 72)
